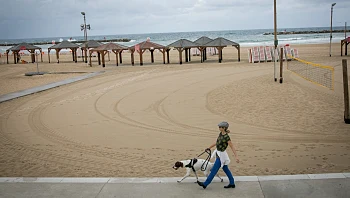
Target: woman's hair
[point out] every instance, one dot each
(226, 130)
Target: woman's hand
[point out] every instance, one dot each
(237, 160)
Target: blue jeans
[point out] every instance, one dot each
(215, 170)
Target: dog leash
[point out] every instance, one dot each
(206, 162)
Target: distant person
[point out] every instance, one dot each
(222, 159)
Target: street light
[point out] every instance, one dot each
(330, 38)
(85, 28)
(275, 41)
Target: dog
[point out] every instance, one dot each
(194, 165)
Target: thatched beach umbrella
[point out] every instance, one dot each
(116, 48)
(23, 46)
(64, 45)
(220, 43)
(90, 44)
(148, 45)
(201, 46)
(181, 45)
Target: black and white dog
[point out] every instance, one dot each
(194, 165)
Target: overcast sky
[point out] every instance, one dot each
(60, 18)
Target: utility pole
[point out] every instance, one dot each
(275, 42)
(330, 38)
(85, 28)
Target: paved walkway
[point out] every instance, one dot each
(311, 185)
(18, 94)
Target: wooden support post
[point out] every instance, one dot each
(205, 53)
(180, 56)
(85, 49)
(186, 55)
(239, 53)
(41, 55)
(120, 56)
(103, 58)
(48, 53)
(116, 56)
(201, 51)
(109, 59)
(189, 54)
(341, 48)
(141, 58)
(152, 57)
(163, 52)
(132, 58)
(7, 56)
(99, 58)
(73, 54)
(58, 55)
(90, 59)
(82, 54)
(14, 57)
(281, 66)
(219, 50)
(346, 48)
(167, 55)
(32, 53)
(346, 92)
(76, 55)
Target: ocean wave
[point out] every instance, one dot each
(291, 39)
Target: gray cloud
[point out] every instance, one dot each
(58, 18)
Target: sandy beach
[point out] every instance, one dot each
(137, 121)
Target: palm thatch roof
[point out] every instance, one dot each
(148, 45)
(91, 44)
(183, 43)
(203, 40)
(64, 45)
(110, 46)
(221, 42)
(23, 46)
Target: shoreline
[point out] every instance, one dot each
(306, 32)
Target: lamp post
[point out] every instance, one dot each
(276, 41)
(85, 28)
(330, 38)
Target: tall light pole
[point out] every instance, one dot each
(276, 41)
(330, 38)
(85, 28)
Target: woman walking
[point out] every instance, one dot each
(222, 159)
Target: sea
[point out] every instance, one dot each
(243, 37)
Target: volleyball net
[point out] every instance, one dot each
(319, 74)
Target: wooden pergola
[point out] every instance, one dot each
(103, 49)
(64, 45)
(148, 45)
(184, 45)
(23, 46)
(90, 44)
(344, 42)
(220, 43)
(202, 41)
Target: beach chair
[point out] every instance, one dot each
(287, 52)
(195, 52)
(255, 55)
(295, 53)
(250, 56)
(268, 54)
(262, 56)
